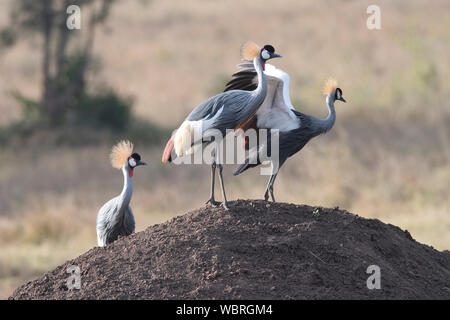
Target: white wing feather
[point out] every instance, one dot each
(276, 110)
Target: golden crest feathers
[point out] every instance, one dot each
(250, 50)
(120, 153)
(330, 86)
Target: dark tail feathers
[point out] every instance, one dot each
(244, 167)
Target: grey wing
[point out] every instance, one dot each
(129, 224)
(105, 221)
(223, 111)
(292, 142)
(123, 224)
(207, 108)
(111, 224)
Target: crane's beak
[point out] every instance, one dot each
(342, 99)
(141, 163)
(276, 55)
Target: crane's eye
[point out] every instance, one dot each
(132, 162)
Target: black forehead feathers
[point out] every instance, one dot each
(136, 156)
(340, 91)
(269, 48)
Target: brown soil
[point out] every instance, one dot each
(257, 250)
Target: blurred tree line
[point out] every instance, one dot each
(66, 58)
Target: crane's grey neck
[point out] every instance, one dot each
(262, 81)
(324, 125)
(259, 94)
(127, 191)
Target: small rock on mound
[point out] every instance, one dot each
(257, 250)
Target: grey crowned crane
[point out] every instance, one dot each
(277, 112)
(115, 217)
(227, 110)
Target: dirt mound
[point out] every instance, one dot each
(257, 250)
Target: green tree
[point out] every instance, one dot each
(63, 70)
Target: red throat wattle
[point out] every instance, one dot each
(131, 173)
(263, 66)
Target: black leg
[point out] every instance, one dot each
(213, 181)
(271, 186)
(266, 194)
(225, 202)
(271, 194)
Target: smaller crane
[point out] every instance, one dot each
(296, 129)
(115, 217)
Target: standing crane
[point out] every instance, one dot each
(115, 217)
(227, 110)
(277, 112)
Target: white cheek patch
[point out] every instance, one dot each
(265, 55)
(338, 95)
(132, 162)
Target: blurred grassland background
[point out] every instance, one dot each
(388, 156)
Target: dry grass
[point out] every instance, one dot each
(387, 157)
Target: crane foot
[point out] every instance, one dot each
(213, 202)
(225, 205)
